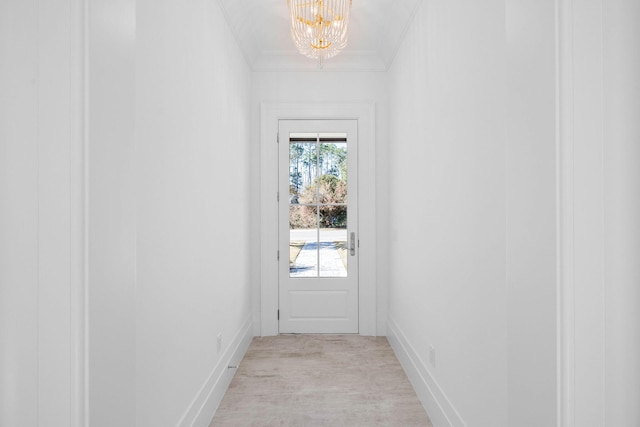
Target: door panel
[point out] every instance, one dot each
(318, 281)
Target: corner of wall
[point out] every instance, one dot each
(439, 408)
(206, 402)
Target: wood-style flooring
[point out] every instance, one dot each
(320, 380)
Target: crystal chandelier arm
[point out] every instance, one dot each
(319, 27)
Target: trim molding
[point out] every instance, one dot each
(439, 408)
(565, 214)
(204, 405)
(78, 190)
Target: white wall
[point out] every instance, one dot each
(531, 255)
(448, 209)
(19, 214)
(40, 201)
(192, 204)
(602, 128)
(493, 266)
(167, 211)
(473, 238)
(324, 87)
(111, 218)
(622, 211)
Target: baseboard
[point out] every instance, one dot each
(435, 402)
(205, 404)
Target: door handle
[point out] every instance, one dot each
(352, 244)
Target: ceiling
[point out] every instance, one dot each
(375, 32)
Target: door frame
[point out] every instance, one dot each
(270, 114)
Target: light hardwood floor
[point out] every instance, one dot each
(320, 380)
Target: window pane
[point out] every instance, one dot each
(303, 169)
(332, 166)
(303, 241)
(333, 241)
(317, 211)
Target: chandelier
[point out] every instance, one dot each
(319, 27)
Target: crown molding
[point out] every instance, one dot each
(294, 61)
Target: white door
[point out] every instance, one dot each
(318, 226)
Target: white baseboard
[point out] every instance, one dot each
(435, 402)
(205, 404)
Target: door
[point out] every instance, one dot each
(318, 226)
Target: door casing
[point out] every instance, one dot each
(266, 309)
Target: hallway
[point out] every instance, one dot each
(498, 205)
